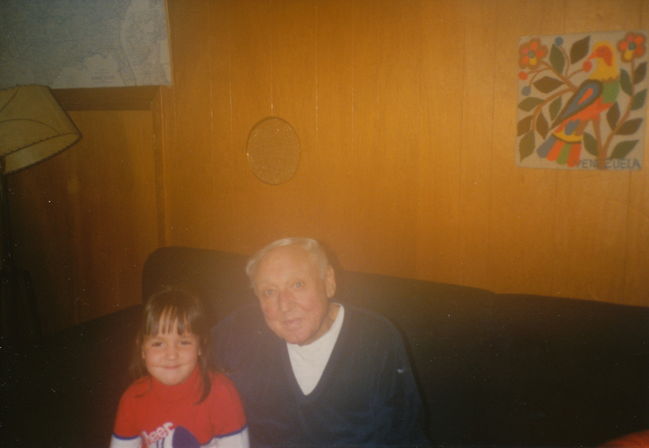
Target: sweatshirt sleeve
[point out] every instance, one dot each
(125, 434)
(399, 397)
(227, 413)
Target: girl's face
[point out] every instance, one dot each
(171, 357)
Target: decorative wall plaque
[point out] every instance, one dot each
(273, 150)
(582, 101)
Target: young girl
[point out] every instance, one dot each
(177, 400)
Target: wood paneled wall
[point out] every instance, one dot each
(405, 111)
(85, 220)
(406, 115)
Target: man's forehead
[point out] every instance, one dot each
(286, 260)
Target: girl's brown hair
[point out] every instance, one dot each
(175, 307)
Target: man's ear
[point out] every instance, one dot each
(330, 282)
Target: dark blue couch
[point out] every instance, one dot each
(494, 369)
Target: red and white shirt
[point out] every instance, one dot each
(152, 414)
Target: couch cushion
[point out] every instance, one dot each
(494, 369)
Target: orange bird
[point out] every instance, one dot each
(593, 97)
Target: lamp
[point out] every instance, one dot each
(33, 127)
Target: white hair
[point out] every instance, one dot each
(315, 250)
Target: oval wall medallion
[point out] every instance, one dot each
(273, 150)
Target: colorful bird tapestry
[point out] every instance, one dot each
(582, 101)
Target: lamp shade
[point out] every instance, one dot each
(33, 127)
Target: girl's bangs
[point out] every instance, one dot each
(164, 320)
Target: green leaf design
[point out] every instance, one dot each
(557, 60)
(555, 108)
(623, 149)
(630, 127)
(625, 82)
(529, 103)
(542, 125)
(590, 144)
(547, 84)
(579, 49)
(639, 99)
(524, 126)
(526, 145)
(640, 73)
(613, 115)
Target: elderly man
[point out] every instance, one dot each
(313, 372)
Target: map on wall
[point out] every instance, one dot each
(582, 101)
(89, 43)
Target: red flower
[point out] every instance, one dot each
(632, 46)
(531, 53)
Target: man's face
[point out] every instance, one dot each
(293, 296)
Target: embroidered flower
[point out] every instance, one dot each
(632, 46)
(531, 53)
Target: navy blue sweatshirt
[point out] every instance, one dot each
(366, 397)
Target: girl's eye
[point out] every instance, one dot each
(155, 344)
(269, 292)
(299, 284)
(187, 342)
